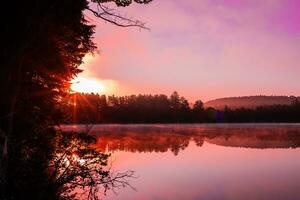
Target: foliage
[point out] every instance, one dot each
(93, 108)
(43, 46)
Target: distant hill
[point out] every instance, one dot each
(250, 101)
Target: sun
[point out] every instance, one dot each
(87, 85)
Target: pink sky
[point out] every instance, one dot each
(202, 49)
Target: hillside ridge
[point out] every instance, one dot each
(250, 101)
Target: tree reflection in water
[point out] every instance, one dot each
(177, 138)
(206, 171)
(63, 165)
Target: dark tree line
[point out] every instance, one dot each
(93, 108)
(272, 113)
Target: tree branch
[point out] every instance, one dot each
(111, 16)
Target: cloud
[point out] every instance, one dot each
(204, 49)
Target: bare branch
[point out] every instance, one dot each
(122, 3)
(112, 16)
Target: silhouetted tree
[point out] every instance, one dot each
(198, 105)
(198, 114)
(43, 46)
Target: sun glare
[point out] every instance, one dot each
(87, 85)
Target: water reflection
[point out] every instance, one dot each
(165, 138)
(60, 166)
(239, 162)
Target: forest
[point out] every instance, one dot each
(81, 108)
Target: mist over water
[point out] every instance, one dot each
(204, 161)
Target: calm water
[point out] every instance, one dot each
(211, 162)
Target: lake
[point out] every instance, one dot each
(203, 161)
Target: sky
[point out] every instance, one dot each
(203, 49)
